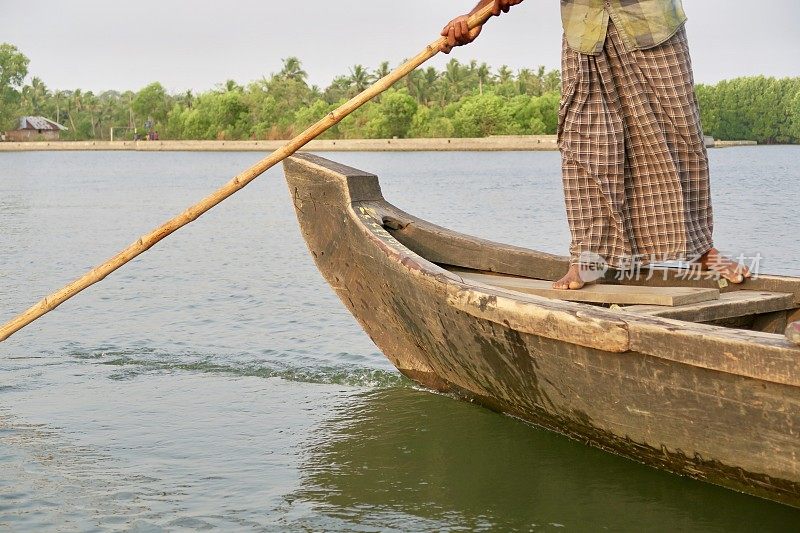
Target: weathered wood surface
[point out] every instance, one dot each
(447, 247)
(444, 246)
(793, 332)
(596, 293)
(770, 322)
(690, 409)
(542, 317)
(675, 277)
(748, 354)
(732, 304)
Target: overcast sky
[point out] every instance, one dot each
(196, 44)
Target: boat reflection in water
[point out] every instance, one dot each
(406, 459)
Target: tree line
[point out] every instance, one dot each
(461, 100)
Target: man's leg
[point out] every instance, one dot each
(592, 143)
(668, 194)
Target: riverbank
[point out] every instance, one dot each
(511, 143)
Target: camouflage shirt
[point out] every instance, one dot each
(641, 23)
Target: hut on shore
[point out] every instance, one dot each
(35, 129)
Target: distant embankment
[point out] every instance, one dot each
(731, 144)
(509, 143)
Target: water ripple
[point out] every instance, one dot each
(135, 364)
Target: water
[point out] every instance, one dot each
(216, 381)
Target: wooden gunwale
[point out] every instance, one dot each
(756, 355)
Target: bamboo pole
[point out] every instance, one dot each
(191, 214)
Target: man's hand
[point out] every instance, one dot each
(457, 31)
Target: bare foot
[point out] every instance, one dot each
(726, 267)
(572, 281)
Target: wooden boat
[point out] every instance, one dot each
(704, 384)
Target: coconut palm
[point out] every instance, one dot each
(58, 95)
(551, 81)
(35, 96)
(107, 105)
(230, 86)
(528, 83)
(382, 71)
(293, 69)
(505, 74)
(186, 99)
(359, 78)
(484, 75)
(89, 104)
(453, 78)
(74, 106)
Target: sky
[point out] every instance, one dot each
(197, 44)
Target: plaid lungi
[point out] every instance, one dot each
(634, 161)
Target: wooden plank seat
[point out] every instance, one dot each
(595, 293)
(730, 305)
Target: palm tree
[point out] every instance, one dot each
(187, 99)
(551, 81)
(91, 105)
(425, 82)
(527, 82)
(74, 105)
(35, 95)
(453, 77)
(504, 74)
(484, 74)
(58, 95)
(414, 84)
(338, 89)
(293, 69)
(128, 97)
(231, 86)
(382, 71)
(315, 93)
(106, 107)
(359, 78)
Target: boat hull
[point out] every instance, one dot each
(567, 367)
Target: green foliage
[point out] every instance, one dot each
(535, 115)
(393, 116)
(13, 66)
(151, 103)
(13, 69)
(213, 116)
(794, 113)
(482, 115)
(755, 108)
(462, 100)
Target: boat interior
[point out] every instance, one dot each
(766, 304)
(759, 310)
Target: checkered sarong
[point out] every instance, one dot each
(634, 161)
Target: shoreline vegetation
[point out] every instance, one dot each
(503, 143)
(462, 101)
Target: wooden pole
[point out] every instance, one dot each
(236, 184)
